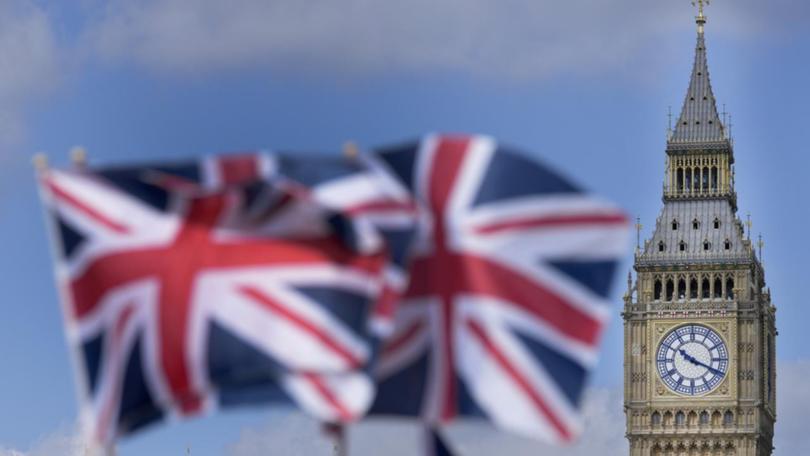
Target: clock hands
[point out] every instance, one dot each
(697, 362)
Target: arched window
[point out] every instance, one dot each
(668, 419)
(674, 224)
(717, 223)
(670, 289)
(657, 290)
(705, 179)
(716, 417)
(718, 288)
(681, 289)
(688, 179)
(727, 245)
(714, 179)
(680, 419)
(729, 288)
(707, 245)
(704, 417)
(680, 179)
(706, 289)
(695, 224)
(693, 288)
(728, 418)
(697, 179)
(656, 419)
(682, 246)
(661, 246)
(691, 419)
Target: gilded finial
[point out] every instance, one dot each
(40, 162)
(638, 233)
(749, 224)
(350, 150)
(78, 155)
(700, 18)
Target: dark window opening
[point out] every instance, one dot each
(727, 244)
(730, 288)
(728, 418)
(661, 246)
(718, 288)
(681, 289)
(682, 246)
(693, 289)
(707, 245)
(717, 224)
(695, 224)
(706, 289)
(670, 290)
(674, 225)
(657, 290)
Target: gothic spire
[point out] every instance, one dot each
(699, 121)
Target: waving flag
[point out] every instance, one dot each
(508, 290)
(263, 278)
(221, 282)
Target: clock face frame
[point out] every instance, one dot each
(692, 360)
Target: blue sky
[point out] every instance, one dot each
(581, 85)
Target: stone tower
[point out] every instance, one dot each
(699, 328)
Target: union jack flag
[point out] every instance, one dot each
(233, 280)
(508, 289)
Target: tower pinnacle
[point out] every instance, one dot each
(699, 122)
(700, 18)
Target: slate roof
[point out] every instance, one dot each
(699, 127)
(705, 212)
(699, 121)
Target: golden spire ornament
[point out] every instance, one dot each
(701, 18)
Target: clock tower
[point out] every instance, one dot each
(699, 325)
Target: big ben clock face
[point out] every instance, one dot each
(692, 360)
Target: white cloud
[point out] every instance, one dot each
(287, 433)
(500, 38)
(28, 58)
(296, 434)
(604, 430)
(792, 404)
(64, 442)
(603, 434)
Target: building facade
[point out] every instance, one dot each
(699, 325)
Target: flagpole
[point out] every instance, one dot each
(337, 434)
(41, 167)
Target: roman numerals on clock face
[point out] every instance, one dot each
(692, 360)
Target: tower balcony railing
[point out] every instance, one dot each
(693, 304)
(692, 258)
(673, 192)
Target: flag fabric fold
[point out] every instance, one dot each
(507, 297)
(437, 279)
(220, 282)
